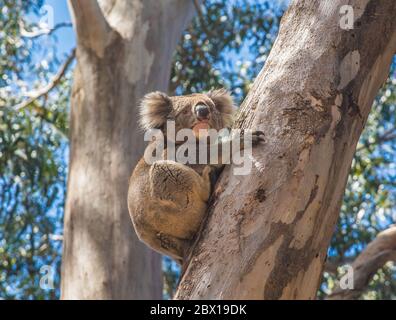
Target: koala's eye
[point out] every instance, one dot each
(185, 111)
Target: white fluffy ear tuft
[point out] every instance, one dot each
(224, 104)
(154, 110)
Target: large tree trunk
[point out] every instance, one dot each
(267, 233)
(378, 252)
(124, 51)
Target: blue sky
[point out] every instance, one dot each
(65, 36)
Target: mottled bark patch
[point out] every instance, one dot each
(305, 118)
(260, 195)
(289, 260)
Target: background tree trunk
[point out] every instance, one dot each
(378, 252)
(267, 233)
(124, 51)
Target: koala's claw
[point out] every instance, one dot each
(257, 137)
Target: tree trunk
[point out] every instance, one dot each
(124, 51)
(267, 233)
(378, 252)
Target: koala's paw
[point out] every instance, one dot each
(257, 137)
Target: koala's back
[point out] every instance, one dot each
(138, 190)
(167, 201)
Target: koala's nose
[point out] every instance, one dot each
(202, 111)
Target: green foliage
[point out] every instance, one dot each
(32, 168)
(171, 275)
(226, 45)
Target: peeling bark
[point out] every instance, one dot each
(380, 251)
(267, 233)
(124, 51)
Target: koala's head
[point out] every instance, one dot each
(213, 110)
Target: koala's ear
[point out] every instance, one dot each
(224, 104)
(154, 110)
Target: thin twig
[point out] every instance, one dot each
(42, 32)
(387, 136)
(51, 85)
(198, 8)
(201, 18)
(331, 266)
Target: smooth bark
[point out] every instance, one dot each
(268, 232)
(124, 51)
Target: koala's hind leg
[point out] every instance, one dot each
(181, 195)
(178, 183)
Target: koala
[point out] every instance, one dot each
(167, 200)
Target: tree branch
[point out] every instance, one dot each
(90, 24)
(201, 18)
(381, 250)
(332, 266)
(387, 136)
(42, 32)
(51, 85)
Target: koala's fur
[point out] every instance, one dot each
(167, 200)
